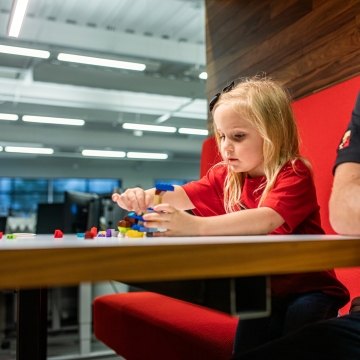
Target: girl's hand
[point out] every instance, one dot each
(135, 199)
(176, 222)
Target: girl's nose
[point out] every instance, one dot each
(227, 145)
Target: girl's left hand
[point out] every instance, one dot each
(176, 222)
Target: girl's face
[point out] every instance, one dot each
(241, 145)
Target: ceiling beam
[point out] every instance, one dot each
(42, 93)
(70, 138)
(98, 40)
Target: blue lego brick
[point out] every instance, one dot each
(133, 215)
(143, 228)
(164, 187)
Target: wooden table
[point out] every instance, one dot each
(45, 261)
(42, 261)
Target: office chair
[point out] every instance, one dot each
(3, 221)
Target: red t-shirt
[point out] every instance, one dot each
(294, 198)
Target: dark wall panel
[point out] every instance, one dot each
(306, 44)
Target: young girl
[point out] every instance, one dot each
(262, 186)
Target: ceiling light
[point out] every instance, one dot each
(53, 120)
(103, 153)
(9, 117)
(144, 155)
(190, 131)
(15, 50)
(89, 60)
(203, 75)
(29, 150)
(1, 148)
(144, 127)
(17, 16)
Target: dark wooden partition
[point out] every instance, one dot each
(306, 44)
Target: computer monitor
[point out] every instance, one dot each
(112, 212)
(3, 221)
(81, 211)
(49, 218)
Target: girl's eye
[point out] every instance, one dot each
(221, 137)
(239, 136)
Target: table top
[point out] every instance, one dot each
(41, 260)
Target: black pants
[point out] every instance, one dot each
(334, 339)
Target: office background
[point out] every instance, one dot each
(168, 38)
(309, 45)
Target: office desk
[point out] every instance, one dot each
(43, 261)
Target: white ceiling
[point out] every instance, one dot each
(167, 35)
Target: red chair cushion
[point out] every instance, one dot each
(145, 325)
(350, 277)
(209, 155)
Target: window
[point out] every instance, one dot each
(19, 196)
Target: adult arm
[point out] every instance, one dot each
(344, 204)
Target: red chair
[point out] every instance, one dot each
(150, 326)
(350, 277)
(314, 113)
(209, 155)
(145, 325)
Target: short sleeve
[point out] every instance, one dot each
(349, 147)
(294, 196)
(207, 193)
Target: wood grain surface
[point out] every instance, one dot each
(185, 258)
(308, 45)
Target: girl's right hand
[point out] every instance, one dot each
(134, 199)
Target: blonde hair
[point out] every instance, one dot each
(267, 106)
